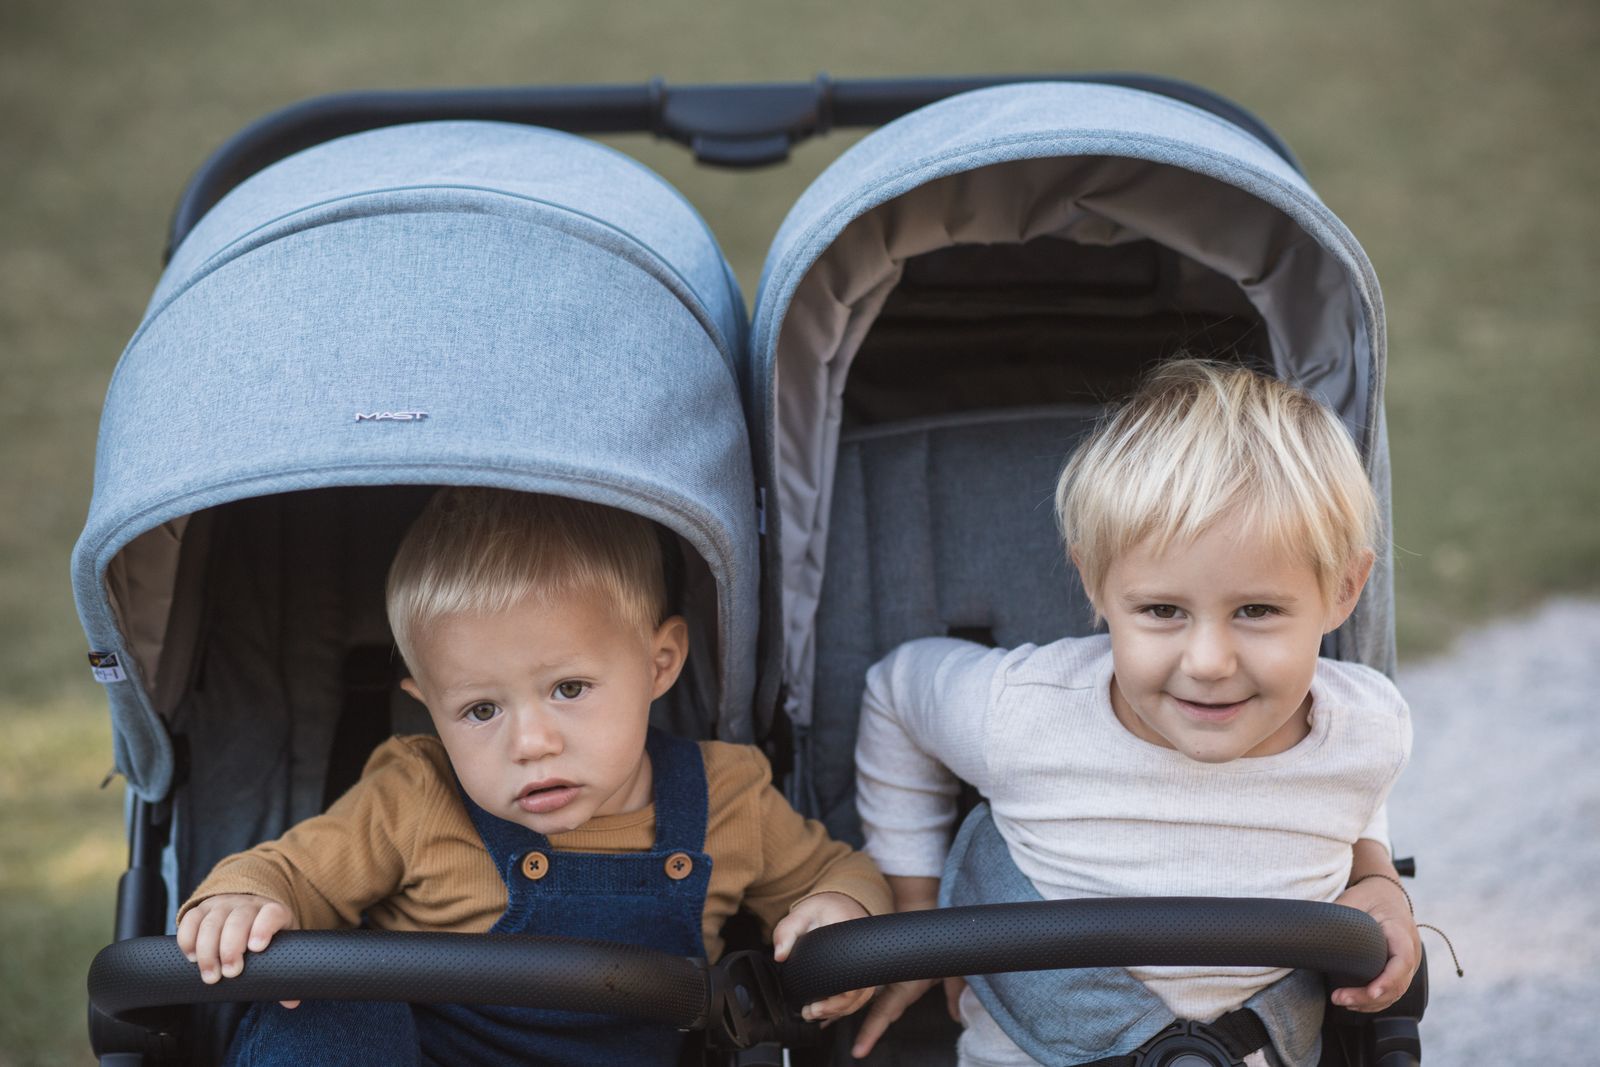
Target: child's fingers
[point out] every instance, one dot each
(268, 921)
(787, 932)
(187, 930)
(953, 988)
(206, 937)
(886, 1007)
(836, 1006)
(873, 1024)
(231, 942)
(1381, 992)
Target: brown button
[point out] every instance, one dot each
(535, 865)
(679, 866)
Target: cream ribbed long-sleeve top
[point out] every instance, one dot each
(1089, 810)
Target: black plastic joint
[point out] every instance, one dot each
(747, 1006)
(152, 1034)
(1396, 1042)
(754, 128)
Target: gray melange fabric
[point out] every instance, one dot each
(939, 525)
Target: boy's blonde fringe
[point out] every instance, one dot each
(1201, 440)
(477, 551)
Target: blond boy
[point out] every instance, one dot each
(1222, 524)
(537, 633)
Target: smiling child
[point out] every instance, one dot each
(1222, 524)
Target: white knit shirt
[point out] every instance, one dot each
(1089, 810)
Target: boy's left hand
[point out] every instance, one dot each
(1384, 901)
(822, 909)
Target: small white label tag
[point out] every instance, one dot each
(105, 668)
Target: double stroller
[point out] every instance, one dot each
(369, 297)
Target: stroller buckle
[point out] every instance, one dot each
(1185, 1043)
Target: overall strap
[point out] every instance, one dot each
(505, 841)
(682, 798)
(653, 898)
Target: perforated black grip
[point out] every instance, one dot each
(1343, 943)
(432, 968)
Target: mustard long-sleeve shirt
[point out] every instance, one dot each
(400, 848)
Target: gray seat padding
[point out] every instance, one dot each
(938, 526)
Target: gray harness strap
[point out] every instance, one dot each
(1069, 1018)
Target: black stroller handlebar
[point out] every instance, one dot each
(1343, 943)
(734, 125)
(745, 998)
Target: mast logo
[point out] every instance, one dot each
(391, 416)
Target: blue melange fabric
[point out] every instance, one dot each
(1068, 1017)
(560, 314)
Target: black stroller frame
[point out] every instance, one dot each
(745, 1004)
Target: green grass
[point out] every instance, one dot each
(60, 856)
(1457, 139)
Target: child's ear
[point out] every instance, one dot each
(669, 648)
(410, 686)
(1349, 591)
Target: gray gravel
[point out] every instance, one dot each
(1501, 807)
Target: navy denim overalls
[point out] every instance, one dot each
(655, 899)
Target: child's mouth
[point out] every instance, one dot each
(1212, 713)
(548, 797)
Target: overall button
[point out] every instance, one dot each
(535, 865)
(679, 866)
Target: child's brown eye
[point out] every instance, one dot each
(1163, 611)
(482, 712)
(571, 690)
(1255, 611)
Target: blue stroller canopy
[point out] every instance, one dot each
(449, 303)
(1089, 167)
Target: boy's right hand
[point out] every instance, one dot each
(892, 1001)
(215, 933)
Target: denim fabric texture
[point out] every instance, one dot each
(326, 1033)
(627, 898)
(1067, 1017)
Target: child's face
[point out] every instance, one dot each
(1214, 642)
(543, 708)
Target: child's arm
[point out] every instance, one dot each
(320, 875)
(799, 878)
(1374, 888)
(923, 730)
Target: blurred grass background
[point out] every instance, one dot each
(1457, 140)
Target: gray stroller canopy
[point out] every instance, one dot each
(450, 303)
(1074, 170)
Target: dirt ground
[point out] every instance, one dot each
(1501, 807)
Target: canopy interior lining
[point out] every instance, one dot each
(1310, 316)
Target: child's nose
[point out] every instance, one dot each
(535, 736)
(1209, 653)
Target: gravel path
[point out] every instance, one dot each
(1501, 807)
